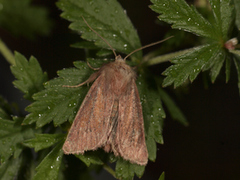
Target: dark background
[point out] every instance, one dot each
(209, 148)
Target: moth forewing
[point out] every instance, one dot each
(110, 116)
(90, 128)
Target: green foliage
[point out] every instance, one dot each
(162, 177)
(42, 141)
(29, 20)
(49, 167)
(29, 74)
(126, 170)
(210, 56)
(12, 135)
(54, 105)
(101, 16)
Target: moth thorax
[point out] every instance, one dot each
(119, 59)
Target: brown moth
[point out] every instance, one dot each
(110, 116)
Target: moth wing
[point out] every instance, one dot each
(130, 136)
(91, 126)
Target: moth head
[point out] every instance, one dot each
(119, 58)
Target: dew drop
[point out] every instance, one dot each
(58, 158)
(189, 19)
(49, 107)
(114, 35)
(39, 115)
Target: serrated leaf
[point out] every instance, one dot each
(215, 70)
(29, 74)
(224, 15)
(174, 111)
(183, 16)
(237, 9)
(30, 20)
(5, 109)
(125, 170)
(11, 137)
(186, 17)
(101, 15)
(90, 158)
(153, 113)
(10, 168)
(42, 141)
(57, 103)
(191, 64)
(49, 167)
(162, 177)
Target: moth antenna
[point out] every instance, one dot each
(146, 46)
(100, 37)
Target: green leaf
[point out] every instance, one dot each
(49, 167)
(153, 113)
(29, 74)
(11, 137)
(90, 158)
(42, 141)
(209, 56)
(191, 64)
(237, 9)
(29, 20)
(224, 15)
(162, 177)
(125, 170)
(107, 18)
(228, 68)
(174, 111)
(10, 168)
(57, 103)
(5, 109)
(182, 16)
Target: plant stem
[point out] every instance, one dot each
(110, 170)
(6, 52)
(163, 58)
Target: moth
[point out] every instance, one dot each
(110, 116)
